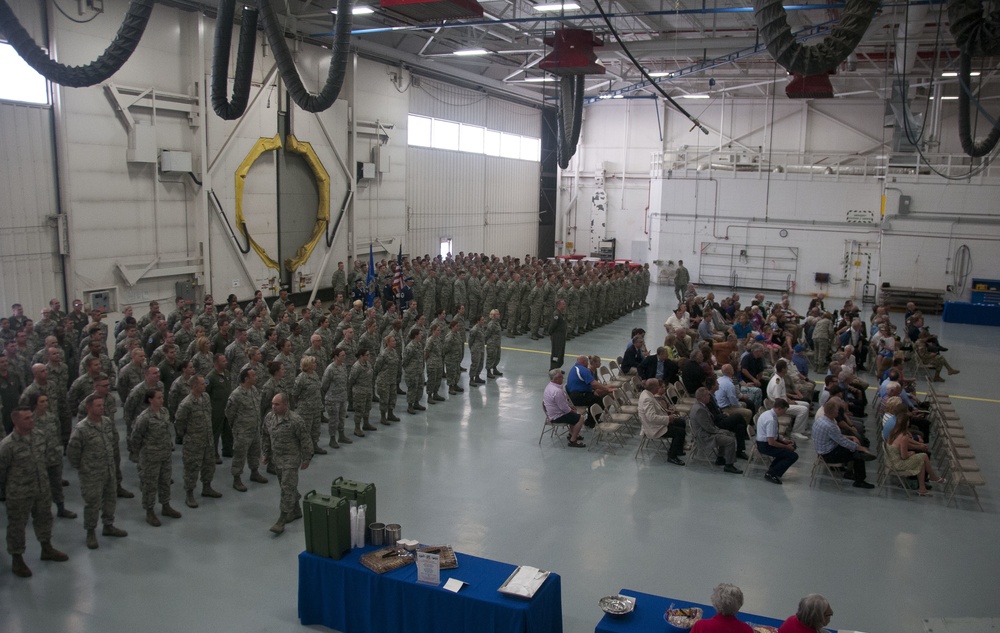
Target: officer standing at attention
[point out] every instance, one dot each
(193, 424)
(557, 334)
(25, 484)
(91, 451)
(288, 446)
(152, 440)
(243, 413)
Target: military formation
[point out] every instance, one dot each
(256, 382)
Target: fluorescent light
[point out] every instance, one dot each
(538, 80)
(949, 98)
(472, 51)
(358, 10)
(618, 97)
(696, 97)
(604, 96)
(661, 74)
(558, 6)
(974, 73)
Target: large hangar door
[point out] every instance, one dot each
(29, 244)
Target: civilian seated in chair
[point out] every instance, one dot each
(734, 422)
(692, 373)
(634, 354)
(585, 390)
(659, 420)
(559, 410)
(847, 425)
(903, 458)
(658, 366)
(728, 397)
(835, 448)
(813, 614)
(727, 600)
(709, 437)
(798, 408)
(780, 450)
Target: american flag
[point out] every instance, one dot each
(397, 278)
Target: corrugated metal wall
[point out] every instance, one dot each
(30, 269)
(484, 203)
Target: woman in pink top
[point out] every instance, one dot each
(814, 613)
(727, 600)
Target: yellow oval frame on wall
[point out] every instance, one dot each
(307, 152)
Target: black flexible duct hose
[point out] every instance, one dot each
(286, 65)
(234, 109)
(974, 33)
(969, 145)
(569, 118)
(812, 60)
(101, 69)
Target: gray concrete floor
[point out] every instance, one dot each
(470, 473)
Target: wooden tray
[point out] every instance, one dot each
(448, 558)
(375, 561)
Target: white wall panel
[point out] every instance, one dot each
(453, 103)
(31, 269)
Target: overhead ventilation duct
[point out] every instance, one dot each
(101, 69)
(434, 10)
(230, 110)
(571, 58)
(976, 35)
(286, 65)
(812, 60)
(811, 87)
(907, 127)
(572, 53)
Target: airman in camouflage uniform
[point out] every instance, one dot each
(460, 290)
(152, 439)
(454, 351)
(307, 401)
(492, 334)
(243, 413)
(333, 388)
(287, 358)
(434, 362)
(91, 450)
(536, 301)
(413, 370)
(477, 348)
(475, 295)
(236, 353)
(193, 424)
(359, 384)
(288, 447)
(387, 380)
(24, 482)
(46, 432)
(514, 290)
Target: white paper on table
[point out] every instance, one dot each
(454, 584)
(526, 581)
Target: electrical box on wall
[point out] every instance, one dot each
(175, 161)
(366, 171)
(106, 299)
(904, 204)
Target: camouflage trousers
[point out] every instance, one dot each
(414, 389)
(39, 509)
(99, 497)
(154, 481)
(434, 377)
(386, 397)
(336, 412)
(288, 481)
(55, 482)
(246, 450)
(362, 408)
(199, 462)
(476, 367)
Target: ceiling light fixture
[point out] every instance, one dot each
(358, 10)
(471, 51)
(974, 73)
(662, 73)
(558, 6)
(537, 80)
(696, 97)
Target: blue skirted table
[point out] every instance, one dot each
(347, 596)
(971, 313)
(649, 610)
